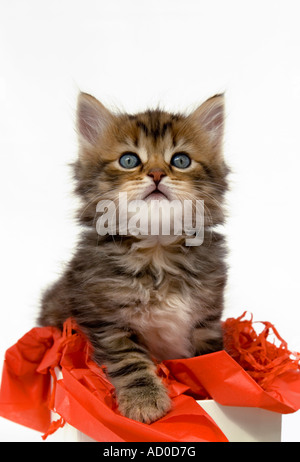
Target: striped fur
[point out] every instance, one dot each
(143, 298)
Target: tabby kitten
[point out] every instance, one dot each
(142, 298)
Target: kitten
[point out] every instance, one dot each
(142, 297)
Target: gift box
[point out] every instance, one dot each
(52, 371)
(239, 424)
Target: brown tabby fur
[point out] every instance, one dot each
(138, 298)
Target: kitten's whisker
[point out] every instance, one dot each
(89, 203)
(219, 205)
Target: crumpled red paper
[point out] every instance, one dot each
(252, 372)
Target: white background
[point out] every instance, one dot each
(133, 54)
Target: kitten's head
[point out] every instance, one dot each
(151, 155)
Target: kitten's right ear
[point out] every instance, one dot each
(92, 118)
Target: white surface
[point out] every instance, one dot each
(244, 424)
(132, 54)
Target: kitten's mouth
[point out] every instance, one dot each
(156, 194)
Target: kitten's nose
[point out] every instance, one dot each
(156, 174)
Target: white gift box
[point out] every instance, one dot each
(239, 424)
(244, 424)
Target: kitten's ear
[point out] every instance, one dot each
(92, 118)
(210, 117)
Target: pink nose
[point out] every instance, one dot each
(156, 174)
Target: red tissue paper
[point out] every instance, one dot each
(251, 371)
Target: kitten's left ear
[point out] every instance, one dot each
(210, 117)
(92, 118)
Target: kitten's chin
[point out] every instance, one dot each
(153, 241)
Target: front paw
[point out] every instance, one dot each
(144, 403)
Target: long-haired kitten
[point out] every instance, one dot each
(145, 298)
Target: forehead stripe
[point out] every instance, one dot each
(155, 129)
(143, 127)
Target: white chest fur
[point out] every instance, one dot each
(164, 326)
(161, 314)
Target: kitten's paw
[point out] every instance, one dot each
(144, 404)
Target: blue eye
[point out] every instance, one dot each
(129, 160)
(181, 160)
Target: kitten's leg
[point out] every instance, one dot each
(207, 336)
(140, 393)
